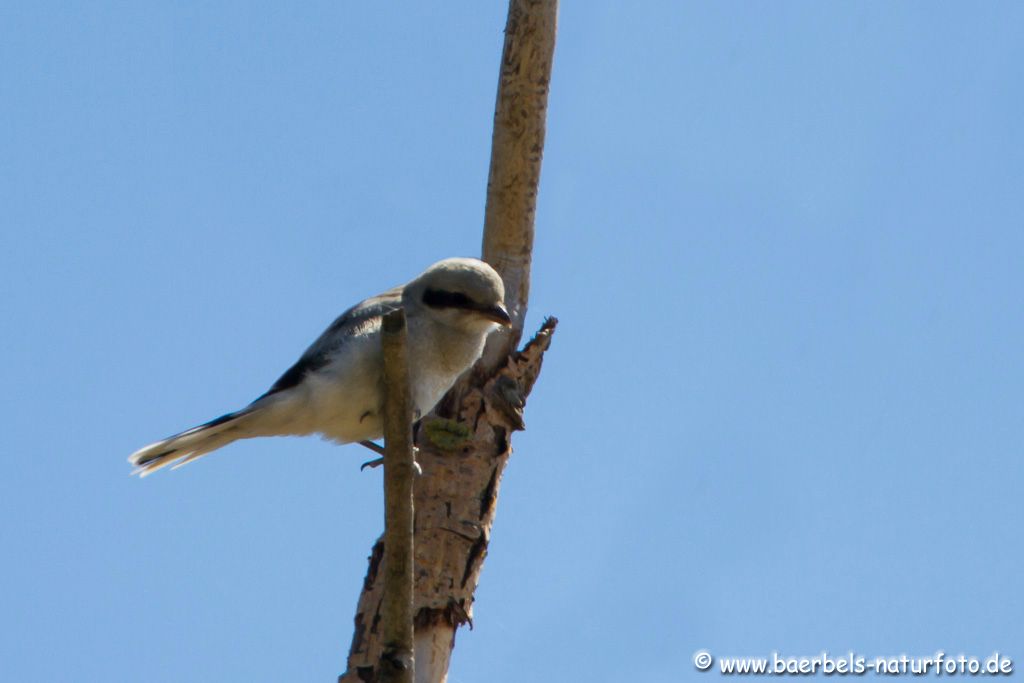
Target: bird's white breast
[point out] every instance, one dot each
(343, 400)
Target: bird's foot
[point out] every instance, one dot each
(380, 461)
(376, 448)
(371, 463)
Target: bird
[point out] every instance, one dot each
(335, 389)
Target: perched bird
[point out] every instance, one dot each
(335, 388)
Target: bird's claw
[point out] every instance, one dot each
(371, 463)
(380, 461)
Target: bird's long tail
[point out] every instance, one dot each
(185, 447)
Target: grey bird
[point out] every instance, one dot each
(335, 388)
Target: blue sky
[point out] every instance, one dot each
(783, 410)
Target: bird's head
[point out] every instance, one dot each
(463, 293)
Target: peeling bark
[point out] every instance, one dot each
(455, 503)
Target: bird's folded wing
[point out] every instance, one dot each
(359, 319)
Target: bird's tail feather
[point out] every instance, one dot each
(185, 447)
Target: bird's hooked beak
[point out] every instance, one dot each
(498, 314)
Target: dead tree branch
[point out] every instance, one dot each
(396, 660)
(517, 149)
(465, 444)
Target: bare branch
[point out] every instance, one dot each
(455, 501)
(396, 659)
(517, 149)
(465, 444)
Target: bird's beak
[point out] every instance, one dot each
(498, 314)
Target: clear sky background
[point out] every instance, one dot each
(783, 410)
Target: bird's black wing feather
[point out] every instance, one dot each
(334, 337)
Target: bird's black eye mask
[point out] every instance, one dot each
(440, 298)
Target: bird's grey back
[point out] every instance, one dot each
(364, 315)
